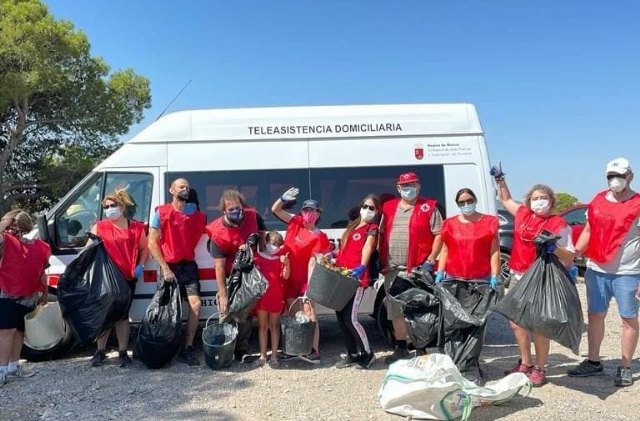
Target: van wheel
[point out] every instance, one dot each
(505, 270)
(385, 327)
(58, 350)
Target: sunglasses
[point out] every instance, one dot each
(370, 207)
(611, 176)
(466, 202)
(112, 205)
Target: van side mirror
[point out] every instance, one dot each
(45, 231)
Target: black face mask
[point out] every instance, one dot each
(183, 195)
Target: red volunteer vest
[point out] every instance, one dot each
(527, 226)
(609, 223)
(302, 245)
(122, 244)
(351, 251)
(229, 239)
(469, 246)
(180, 233)
(22, 266)
(420, 235)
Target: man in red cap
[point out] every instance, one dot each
(410, 237)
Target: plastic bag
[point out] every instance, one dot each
(431, 387)
(545, 300)
(159, 336)
(245, 285)
(92, 293)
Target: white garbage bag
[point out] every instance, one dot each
(431, 387)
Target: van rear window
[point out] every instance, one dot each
(338, 190)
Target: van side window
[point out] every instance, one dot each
(139, 186)
(74, 220)
(338, 190)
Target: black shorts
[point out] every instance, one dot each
(186, 273)
(132, 285)
(12, 314)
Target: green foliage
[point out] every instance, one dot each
(59, 106)
(565, 201)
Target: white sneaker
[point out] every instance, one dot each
(21, 373)
(3, 379)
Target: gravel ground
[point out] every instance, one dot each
(71, 389)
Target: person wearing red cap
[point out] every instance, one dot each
(611, 242)
(409, 238)
(303, 241)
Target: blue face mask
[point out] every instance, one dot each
(112, 213)
(235, 215)
(408, 193)
(468, 209)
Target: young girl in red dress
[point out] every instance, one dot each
(273, 263)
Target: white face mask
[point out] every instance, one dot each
(617, 184)
(367, 214)
(271, 249)
(540, 206)
(112, 213)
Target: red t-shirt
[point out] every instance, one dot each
(122, 244)
(351, 252)
(270, 266)
(302, 244)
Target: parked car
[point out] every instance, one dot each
(505, 232)
(576, 217)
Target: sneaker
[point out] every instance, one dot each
(3, 379)
(311, 358)
(366, 360)
(21, 373)
(623, 377)
(347, 361)
(274, 363)
(585, 369)
(98, 358)
(398, 354)
(537, 376)
(124, 359)
(519, 368)
(285, 357)
(188, 355)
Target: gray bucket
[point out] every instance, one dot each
(331, 289)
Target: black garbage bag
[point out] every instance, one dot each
(159, 336)
(245, 284)
(465, 308)
(93, 293)
(545, 300)
(416, 295)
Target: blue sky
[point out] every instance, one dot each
(556, 83)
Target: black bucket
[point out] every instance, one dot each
(219, 343)
(330, 288)
(297, 338)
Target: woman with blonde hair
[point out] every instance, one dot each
(531, 218)
(22, 285)
(125, 242)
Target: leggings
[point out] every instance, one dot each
(355, 337)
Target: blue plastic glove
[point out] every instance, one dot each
(496, 171)
(358, 271)
(494, 282)
(427, 267)
(139, 271)
(439, 276)
(550, 247)
(573, 273)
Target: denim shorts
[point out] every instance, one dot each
(602, 286)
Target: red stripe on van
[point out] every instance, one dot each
(152, 275)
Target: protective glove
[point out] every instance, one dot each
(358, 271)
(550, 247)
(573, 273)
(439, 276)
(496, 171)
(290, 195)
(427, 266)
(494, 282)
(139, 271)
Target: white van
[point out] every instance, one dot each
(334, 154)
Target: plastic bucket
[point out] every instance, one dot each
(331, 289)
(297, 338)
(219, 343)
(44, 327)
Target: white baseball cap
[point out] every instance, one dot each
(618, 166)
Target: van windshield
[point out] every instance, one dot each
(338, 190)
